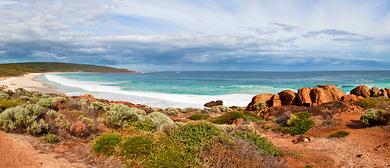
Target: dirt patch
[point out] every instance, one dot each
(15, 152)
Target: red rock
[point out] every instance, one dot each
(361, 90)
(238, 122)
(214, 103)
(304, 97)
(349, 98)
(131, 105)
(79, 129)
(325, 94)
(384, 93)
(387, 91)
(374, 92)
(275, 101)
(261, 98)
(288, 97)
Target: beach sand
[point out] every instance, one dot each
(27, 82)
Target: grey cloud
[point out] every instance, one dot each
(337, 35)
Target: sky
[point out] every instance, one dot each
(173, 35)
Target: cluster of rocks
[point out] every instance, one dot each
(314, 96)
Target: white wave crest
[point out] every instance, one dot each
(149, 98)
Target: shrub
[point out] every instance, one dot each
(199, 116)
(35, 109)
(227, 118)
(160, 120)
(105, 144)
(261, 144)
(251, 117)
(172, 111)
(98, 106)
(367, 103)
(88, 121)
(146, 125)
(37, 128)
(260, 106)
(51, 138)
(137, 147)
(4, 95)
(339, 134)
(195, 136)
(8, 103)
(298, 123)
(121, 115)
(232, 154)
(15, 118)
(46, 102)
(375, 117)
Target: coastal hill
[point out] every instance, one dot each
(16, 69)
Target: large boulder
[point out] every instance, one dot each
(261, 99)
(304, 97)
(384, 92)
(374, 92)
(288, 97)
(214, 103)
(387, 91)
(325, 94)
(361, 90)
(349, 98)
(275, 101)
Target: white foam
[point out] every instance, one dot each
(149, 98)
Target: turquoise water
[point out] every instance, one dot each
(177, 87)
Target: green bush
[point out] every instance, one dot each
(137, 147)
(260, 106)
(171, 111)
(227, 118)
(160, 120)
(339, 134)
(121, 115)
(298, 123)
(195, 136)
(4, 95)
(261, 143)
(368, 103)
(375, 117)
(8, 103)
(98, 106)
(199, 116)
(21, 119)
(51, 138)
(46, 102)
(146, 125)
(106, 144)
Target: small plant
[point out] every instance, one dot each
(121, 115)
(146, 125)
(260, 106)
(38, 127)
(227, 118)
(105, 144)
(137, 146)
(298, 123)
(195, 136)
(339, 134)
(98, 106)
(172, 111)
(51, 138)
(8, 103)
(4, 95)
(375, 117)
(262, 144)
(199, 116)
(46, 102)
(160, 120)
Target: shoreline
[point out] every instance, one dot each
(28, 82)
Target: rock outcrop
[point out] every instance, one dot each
(214, 103)
(314, 96)
(304, 97)
(361, 90)
(288, 97)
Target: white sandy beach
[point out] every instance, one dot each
(27, 82)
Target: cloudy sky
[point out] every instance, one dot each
(272, 35)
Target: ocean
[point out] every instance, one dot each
(193, 89)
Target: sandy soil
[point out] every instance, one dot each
(364, 147)
(27, 82)
(15, 152)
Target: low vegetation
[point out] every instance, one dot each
(339, 134)
(298, 123)
(375, 117)
(17, 69)
(199, 117)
